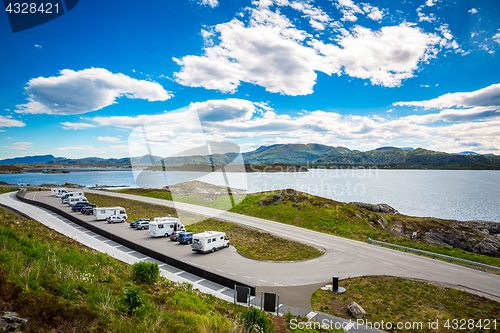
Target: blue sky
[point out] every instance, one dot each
(360, 74)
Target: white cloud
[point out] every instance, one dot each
(496, 38)
(489, 96)
(271, 52)
(373, 12)
(38, 47)
(473, 11)
(7, 121)
(76, 92)
(109, 139)
(349, 9)
(211, 3)
(386, 57)
(318, 19)
(76, 126)
(20, 145)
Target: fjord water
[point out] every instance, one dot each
(455, 194)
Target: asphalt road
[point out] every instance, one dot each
(343, 257)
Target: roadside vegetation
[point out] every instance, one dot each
(249, 242)
(63, 286)
(394, 299)
(327, 216)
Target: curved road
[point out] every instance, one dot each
(343, 257)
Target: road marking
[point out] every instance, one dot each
(178, 273)
(262, 280)
(248, 277)
(200, 280)
(232, 273)
(222, 290)
(277, 284)
(219, 270)
(388, 263)
(162, 265)
(144, 258)
(311, 315)
(130, 252)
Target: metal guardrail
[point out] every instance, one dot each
(468, 262)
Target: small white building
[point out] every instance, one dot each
(209, 241)
(164, 226)
(102, 213)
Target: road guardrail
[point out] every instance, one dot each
(434, 255)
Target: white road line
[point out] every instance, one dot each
(200, 280)
(130, 252)
(277, 284)
(222, 290)
(144, 258)
(311, 315)
(248, 277)
(219, 270)
(261, 280)
(232, 273)
(178, 273)
(162, 265)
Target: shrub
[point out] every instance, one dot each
(145, 272)
(131, 300)
(256, 321)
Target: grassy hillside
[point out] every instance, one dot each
(418, 158)
(291, 153)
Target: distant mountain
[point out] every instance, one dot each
(94, 161)
(466, 153)
(31, 159)
(408, 158)
(291, 153)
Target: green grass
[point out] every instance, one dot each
(249, 242)
(328, 216)
(394, 299)
(8, 189)
(63, 286)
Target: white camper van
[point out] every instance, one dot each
(55, 190)
(209, 241)
(62, 191)
(164, 226)
(74, 200)
(102, 213)
(65, 197)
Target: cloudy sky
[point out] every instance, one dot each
(362, 74)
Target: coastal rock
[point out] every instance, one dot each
(356, 310)
(10, 322)
(379, 208)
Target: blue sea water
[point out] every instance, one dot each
(455, 194)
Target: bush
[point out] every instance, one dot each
(131, 300)
(145, 272)
(256, 321)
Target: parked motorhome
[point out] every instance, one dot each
(55, 190)
(102, 213)
(65, 197)
(209, 241)
(61, 193)
(73, 200)
(164, 226)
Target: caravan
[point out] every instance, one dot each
(102, 213)
(74, 200)
(61, 192)
(164, 226)
(209, 241)
(65, 197)
(55, 190)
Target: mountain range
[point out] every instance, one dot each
(302, 154)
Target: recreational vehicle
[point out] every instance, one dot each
(65, 197)
(74, 200)
(209, 241)
(55, 190)
(102, 213)
(61, 193)
(164, 226)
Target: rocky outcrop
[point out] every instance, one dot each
(10, 322)
(473, 236)
(356, 310)
(378, 208)
(279, 198)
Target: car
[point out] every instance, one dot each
(78, 206)
(185, 237)
(134, 224)
(87, 210)
(115, 219)
(174, 236)
(142, 225)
